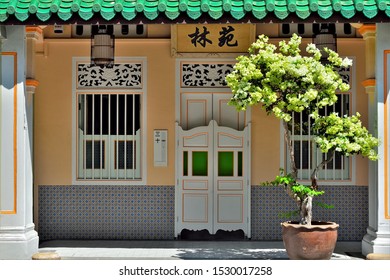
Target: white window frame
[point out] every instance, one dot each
(141, 91)
(304, 175)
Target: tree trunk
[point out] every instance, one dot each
(288, 141)
(306, 205)
(314, 176)
(306, 211)
(294, 170)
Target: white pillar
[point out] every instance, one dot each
(377, 239)
(18, 239)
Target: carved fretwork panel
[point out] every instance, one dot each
(204, 74)
(346, 74)
(214, 74)
(121, 76)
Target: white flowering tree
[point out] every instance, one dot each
(284, 82)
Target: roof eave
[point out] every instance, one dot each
(182, 19)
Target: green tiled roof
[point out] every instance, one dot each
(84, 10)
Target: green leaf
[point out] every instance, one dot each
(323, 205)
(289, 214)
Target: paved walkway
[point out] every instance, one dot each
(185, 250)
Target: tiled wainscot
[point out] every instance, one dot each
(148, 212)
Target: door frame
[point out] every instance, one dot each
(212, 189)
(216, 89)
(212, 89)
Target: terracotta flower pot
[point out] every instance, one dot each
(315, 242)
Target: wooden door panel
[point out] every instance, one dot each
(231, 180)
(194, 182)
(213, 190)
(196, 110)
(196, 208)
(230, 209)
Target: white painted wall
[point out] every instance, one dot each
(18, 239)
(377, 239)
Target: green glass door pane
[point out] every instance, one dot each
(199, 163)
(239, 164)
(185, 163)
(225, 164)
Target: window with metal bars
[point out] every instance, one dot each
(109, 136)
(308, 156)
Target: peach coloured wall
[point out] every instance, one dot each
(53, 114)
(361, 105)
(53, 111)
(53, 105)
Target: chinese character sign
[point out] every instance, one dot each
(225, 38)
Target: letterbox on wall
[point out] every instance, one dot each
(160, 147)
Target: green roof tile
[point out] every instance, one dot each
(128, 6)
(183, 5)
(313, 5)
(303, 10)
(76, 5)
(79, 10)
(337, 5)
(348, 12)
(248, 5)
(128, 15)
(383, 4)
(292, 5)
(162, 6)
(54, 6)
(359, 5)
(371, 10)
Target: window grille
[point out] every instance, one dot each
(109, 136)
(308, 156)
(94, 151)
(125, 154)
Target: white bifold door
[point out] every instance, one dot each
(212, 165)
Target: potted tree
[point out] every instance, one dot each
(286, 83)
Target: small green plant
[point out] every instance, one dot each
(301, 193)
(285, 83)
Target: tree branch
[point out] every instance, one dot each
(287, 139)
(314, 176)
(294, 170)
